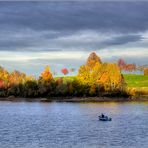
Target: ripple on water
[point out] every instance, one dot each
(44, 125)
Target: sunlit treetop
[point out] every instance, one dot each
(46, 74)
(93, 59)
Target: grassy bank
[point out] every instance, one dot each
(136, 81)
(137, 88)
(137, 85)
(132, 80)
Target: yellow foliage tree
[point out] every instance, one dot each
(94, 72)
(87, 73)
(46, 74)
(16, 78)
(84, 75)
(4, 76)
(110, 77)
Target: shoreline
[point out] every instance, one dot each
(75, 99)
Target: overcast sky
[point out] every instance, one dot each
(62, 34)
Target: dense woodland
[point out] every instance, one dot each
(94, 78)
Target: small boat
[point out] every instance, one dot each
(105, 118)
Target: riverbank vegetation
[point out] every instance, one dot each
(137, 85)
(94, 79)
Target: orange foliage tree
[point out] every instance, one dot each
(1, 84)
(45, 81)
(110, 77)
(4, 76)
(95, 73)
(126, 67)
(16, 78)
(92, 60)
(46, 75)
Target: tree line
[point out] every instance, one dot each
(132, 67)
(94, 78)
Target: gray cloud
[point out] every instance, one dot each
(67, 26)
(38, 25)
(80, 41)
(117, 16)
(124, 39)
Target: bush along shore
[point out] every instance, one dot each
(96, 81)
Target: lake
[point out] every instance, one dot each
(67, 125)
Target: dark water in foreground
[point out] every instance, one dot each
(60, 125)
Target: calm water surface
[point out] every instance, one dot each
(59, 125)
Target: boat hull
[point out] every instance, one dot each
(105, 119)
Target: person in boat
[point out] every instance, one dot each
(102, 116)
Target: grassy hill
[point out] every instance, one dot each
(137, 85)
(136, 81)
(132, 80)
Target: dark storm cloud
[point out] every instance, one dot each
(123, 40)
(39, 25)
(117, 16)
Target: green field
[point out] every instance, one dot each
(135, 81)
(132, 80)
(66, 78)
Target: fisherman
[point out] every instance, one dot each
(102, 115)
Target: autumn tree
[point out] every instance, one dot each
(85, 71)
(2, 88)
(87, 74)
(16, 77)
(45, 81)
(1, 84)
(110, 77)
(126, 67)
(65, 71)
(92, 60)
(46, 74)
(121, 64)
(4, 76)
(145, 71)
(84, 75)
(97, 74)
